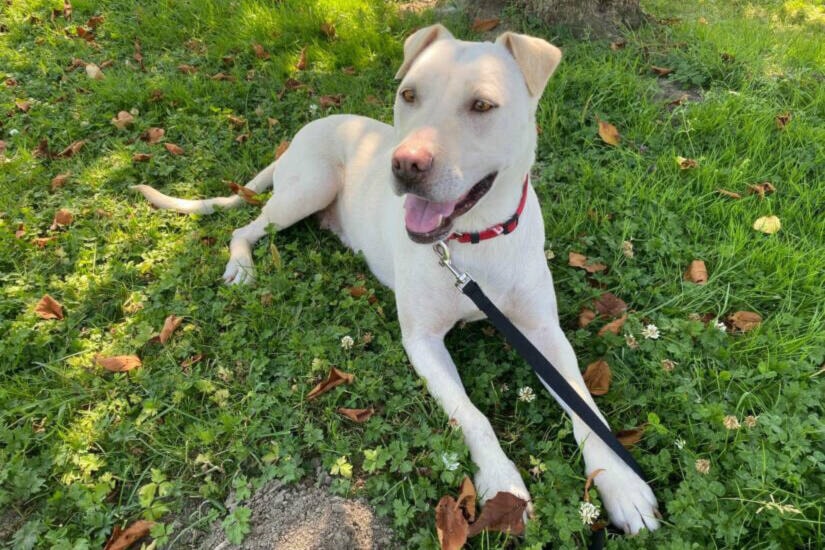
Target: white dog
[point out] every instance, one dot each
(455, 163)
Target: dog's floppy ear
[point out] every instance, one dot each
(537, 59)
(418, 42)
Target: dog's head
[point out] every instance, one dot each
(464, 115)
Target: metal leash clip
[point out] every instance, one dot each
(443, 253)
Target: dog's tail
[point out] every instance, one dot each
(258, 184)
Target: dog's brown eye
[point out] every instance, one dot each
(481, 106)
(408, 95)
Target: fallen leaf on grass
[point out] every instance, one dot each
(152, 135)
(679, 100)
(782, 120)
(236, 121)
(260, 52)
(122, 120)
(22, 105)
(49, 308)
(504, 512)
(580, 260)
(141, 157)
(223, 77)
(173, 148)
(241, 138)
(138, 55)
(730, 194)
(21, 231)
(485, 25)
(761, 189)
(302, 60)
(686, 163)
(335, 378)
(589, 482)
(327, 101)
(122, 539)
(118, 363)
(59, 180)
(41, 242)
(697, 272)
(94, 72)
(72, 149)
(247, 194)
(767, 224)
(586, 317)
(450, 524)
(95, 21)
(62, 218)
(613, 326)
(187, 363)
(357, 291)
(187, 69)
(328, 29)
(597, 377)
(609, 133)
(170, 325)
(629, 438)
(661, 71)
(282, 147)
(609, 304)
(357, 415)
(745, 320)
(618, 45)
(271, 121)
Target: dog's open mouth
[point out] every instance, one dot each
(429, 221)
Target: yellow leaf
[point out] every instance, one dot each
(767, 224)
(609, 133)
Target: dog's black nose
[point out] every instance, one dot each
(411, 163)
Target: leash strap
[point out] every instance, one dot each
(542, 367)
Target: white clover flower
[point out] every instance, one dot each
(450, 461)
(651, 332)
(347, 342)
(504, 387)
(720, 326)
(313, 107)
(589, 512)
(627, 249)
(631, 342)
(702, 465)
(549, 254)
(731, 422)
(750, 421)
(14, 132)
(669, 364)
(526, 394)
(679, 443)
(318, 363)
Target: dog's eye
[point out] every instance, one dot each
(408, 95)
(481, 106)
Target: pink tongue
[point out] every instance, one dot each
(423, 216)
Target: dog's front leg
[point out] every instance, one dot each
(433, 363)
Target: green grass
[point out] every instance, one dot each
(82, 450)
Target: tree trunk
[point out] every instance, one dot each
(597, 18)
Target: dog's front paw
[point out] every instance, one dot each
(239, 270)
(503, 477)
(629, 501)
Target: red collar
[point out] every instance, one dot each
(500, 228)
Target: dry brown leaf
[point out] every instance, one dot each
(241, 138)
(597, 377)
(357, 415)
(22, 105)
(745, 320)
(170, 325)
(223, 76)
(609, 304)
(609, 133)
(271, 121)
(618, 45)
(697, 272)
(589, 482)
(504, 512)
(335, 378)
(327, 101)
(767, 224)
(186, 363)
(21, 231)
(123, 119)
(467, 499)
(629, 438)
(94, 72)
(118, 363)
(586, 317)
(661, 71)
(107, 63)
(349, 71)
(95, 21)
(61, 218)
(236, 121)
(302, 60)
(328, 29)
(72, 149)
(450, 525)
(357, 291)
(686, 163)
(485, 25)
(730, 194)
(49, 308)
(613, 326)
(580, 260)
(782, 120)
(247, 194)
(679, 100)
(138, 55)
(228, 60)
(41, 242)
(282, 147)
(260, 52)
(152, 135)
(173, 148)
(141, 157)
(761, 189)
(122, 539)
(187, 69)
(60, 180)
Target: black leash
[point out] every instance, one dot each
(543, 368)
